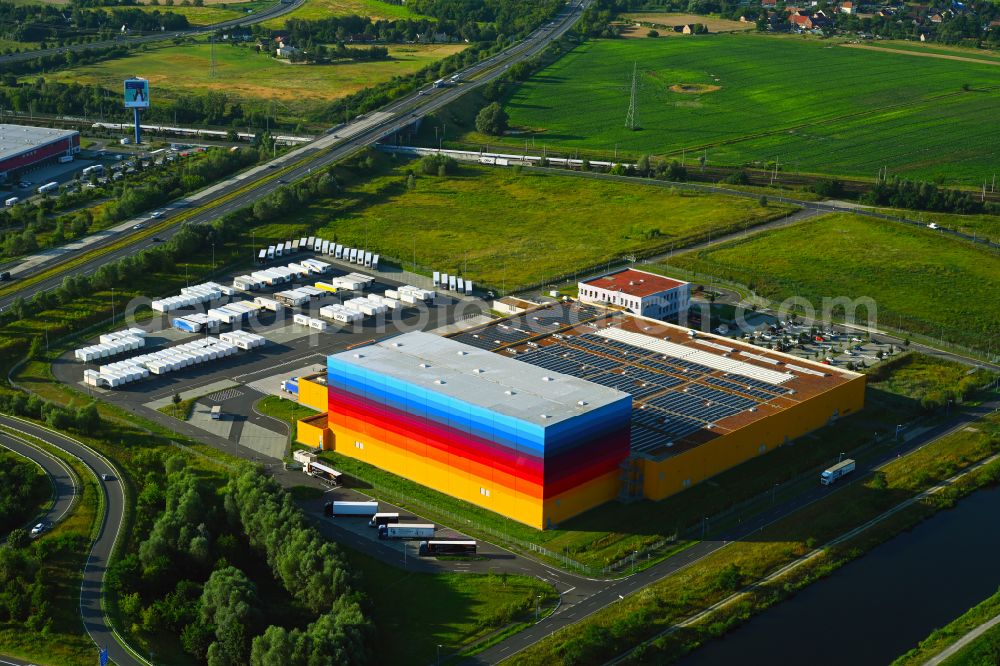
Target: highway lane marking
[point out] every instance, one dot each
(569, 590)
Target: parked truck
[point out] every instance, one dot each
(11, 201)
(380, 519)
(352, 509)
(833, 473)
(290, 385)
(48, 187)
(406, 531)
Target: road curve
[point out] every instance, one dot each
(278, 9)
(62, 478)
(91, 611)
(252, 184)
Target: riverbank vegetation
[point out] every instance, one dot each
(941, 639)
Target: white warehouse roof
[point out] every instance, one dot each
(482, 378)
(17, 139)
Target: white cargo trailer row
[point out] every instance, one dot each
(194, 323)
(112, 348)
(452, 283)
(189, 296)
(243, 339)
(339, 313)
(269, 304)
(161, 362)
(108, 338)
(311, 322)
(365, 307)
(292, 297)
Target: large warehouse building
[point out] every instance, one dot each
(531, 444)
(548, 413)
(23, 148)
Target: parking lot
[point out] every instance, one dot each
(833, 345)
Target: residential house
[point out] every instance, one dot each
(847, 7)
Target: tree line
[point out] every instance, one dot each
(84, 419)
(919, 195)
(188, 572)
(22, 486)
(40, 22)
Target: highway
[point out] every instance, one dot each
(246, 187)
(612, 592)
(91, 610)
(62, 478)
(278, 9)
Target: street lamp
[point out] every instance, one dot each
(774, 492)
(439, 654)
(538, 603)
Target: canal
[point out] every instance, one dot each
(879, 606)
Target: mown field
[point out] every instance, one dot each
(317, 9)
(978, 226)
(212, 11)
(671, 19)
(920, 280)
(505, 229)
(813, 105)
(242, 73)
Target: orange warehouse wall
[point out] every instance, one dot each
(313, 394)
(585, 496)
(521, 502)
(313, 431)
(667, 477)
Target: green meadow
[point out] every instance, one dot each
(920, 281)
(815, 106)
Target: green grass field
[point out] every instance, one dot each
(920, 281)
(318, 9)
(210, 12)
(242, 73)
(505, 229)
(979, 226)
(815, 106)
(417, 612)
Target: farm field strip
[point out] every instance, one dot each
(769, 86)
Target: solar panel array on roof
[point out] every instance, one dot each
(528, 325)
(746, 386)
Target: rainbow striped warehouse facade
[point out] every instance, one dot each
(530, 444)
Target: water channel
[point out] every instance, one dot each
(879, 606)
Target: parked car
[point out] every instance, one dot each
(37, 529)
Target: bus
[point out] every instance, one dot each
(447, 547)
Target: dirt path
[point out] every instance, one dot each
(995, 63)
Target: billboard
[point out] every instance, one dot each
(136, 94)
